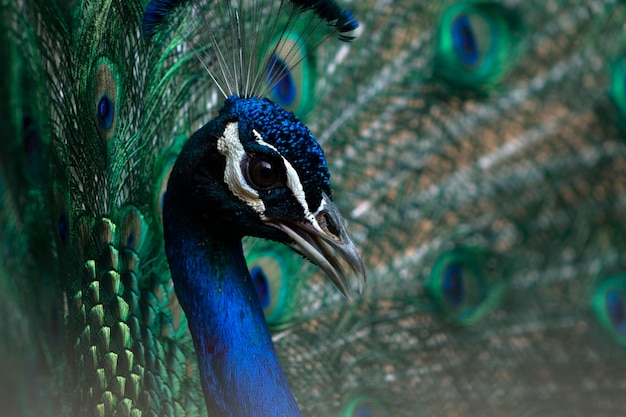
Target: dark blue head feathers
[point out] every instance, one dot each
(291, 138)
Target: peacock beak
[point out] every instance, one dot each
(324, 240)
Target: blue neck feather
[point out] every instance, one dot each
(241, 375)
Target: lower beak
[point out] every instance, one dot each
(327, 245)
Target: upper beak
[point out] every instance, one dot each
(326, 243)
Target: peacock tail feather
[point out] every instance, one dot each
(476, 149)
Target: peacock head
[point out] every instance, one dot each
(257, 170)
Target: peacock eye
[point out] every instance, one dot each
(609, 303)
(262, 174)
(465, 283)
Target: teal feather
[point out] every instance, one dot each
(488, 208)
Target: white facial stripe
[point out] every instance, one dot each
(230, 146)
(320, 208)
(293, 182)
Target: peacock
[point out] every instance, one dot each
(476, 152)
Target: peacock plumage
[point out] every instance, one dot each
(476, 151)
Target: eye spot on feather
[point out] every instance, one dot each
(106, 99)
(609, 305)
(464, 41)
(270, 281)
(261, 285)
(105, 112)
(284, 92)
(134, 229)
(364, 406)
(463, 285)
(130, 241)
(274, 272)
(364, 411)
(478, 43)
(290, 72)
(617, 313)
(452, 285)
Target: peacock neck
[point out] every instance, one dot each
(240, 372)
